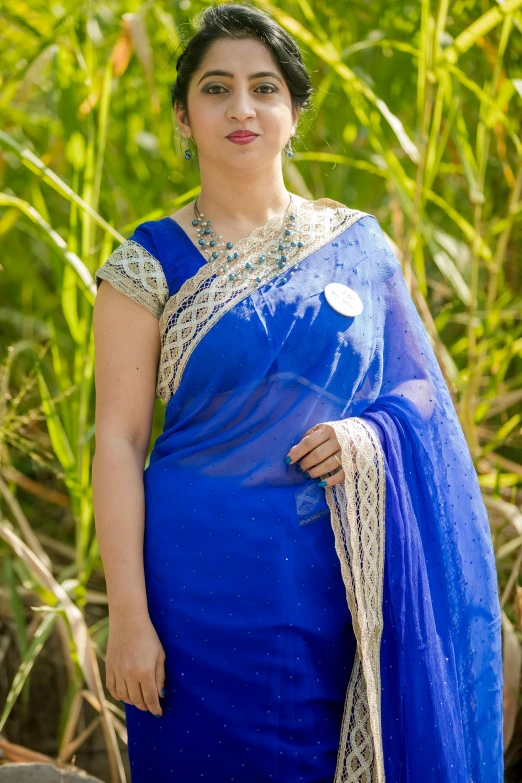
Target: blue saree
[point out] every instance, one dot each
(325, 635)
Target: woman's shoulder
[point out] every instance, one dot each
(362, 233)
(339, 213)
(134, 269)
(362, 227)
(155, 235)
(149, 265)
(137, 252)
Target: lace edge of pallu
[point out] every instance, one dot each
(357, 512)
(208, 294)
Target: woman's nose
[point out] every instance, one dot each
(241, 107)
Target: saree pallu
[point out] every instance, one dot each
(326, 635)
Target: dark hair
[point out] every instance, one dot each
(237, 21)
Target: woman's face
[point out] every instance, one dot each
(249, 93)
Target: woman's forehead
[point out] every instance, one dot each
(238, 56)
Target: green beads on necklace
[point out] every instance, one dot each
(203, 227)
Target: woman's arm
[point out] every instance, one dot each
(127, 351)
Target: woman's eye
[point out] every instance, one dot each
(212, 87)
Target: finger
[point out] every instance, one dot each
(326, 466)
(150, 695)
(110, 682)
(320, 454)
(120, 687)
(335, 479)
(311, 440)
(160, 674)
(135, 691)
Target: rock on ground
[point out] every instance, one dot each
(41, 773)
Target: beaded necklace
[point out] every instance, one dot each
(275, 258)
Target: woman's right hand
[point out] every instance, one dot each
(135, 662)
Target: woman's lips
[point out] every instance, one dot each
(242, 138)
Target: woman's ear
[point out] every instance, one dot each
(295, 113)
(182, 119)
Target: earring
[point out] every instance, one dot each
(188, 153)
(289, 150)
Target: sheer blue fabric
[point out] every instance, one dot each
(243, 581)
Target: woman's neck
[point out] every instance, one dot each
(242, 204)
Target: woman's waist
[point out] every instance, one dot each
(241, 469)
(230, 483)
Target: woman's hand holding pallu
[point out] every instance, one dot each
(314, 455)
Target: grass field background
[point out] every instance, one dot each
(416, 118)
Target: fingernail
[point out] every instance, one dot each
(307, 475)
(157, 716)
(322, 483)
(122, 701)
(162, 692)
(288, 460)
(299, 467)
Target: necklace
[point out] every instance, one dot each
(274, 259)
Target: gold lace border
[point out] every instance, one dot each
(206, 296)
(357, 513)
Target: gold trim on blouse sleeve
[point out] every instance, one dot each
(135, 272)
(357, 512)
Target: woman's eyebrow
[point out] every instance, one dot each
(231, 75)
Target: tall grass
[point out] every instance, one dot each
(416, 119)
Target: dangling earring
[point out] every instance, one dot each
(289, 151)
(188, 153)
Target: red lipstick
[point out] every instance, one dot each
(242, 136)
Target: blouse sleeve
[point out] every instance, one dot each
(134, 271)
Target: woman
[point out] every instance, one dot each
(302, 587)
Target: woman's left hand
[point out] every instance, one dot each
(314, 454)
